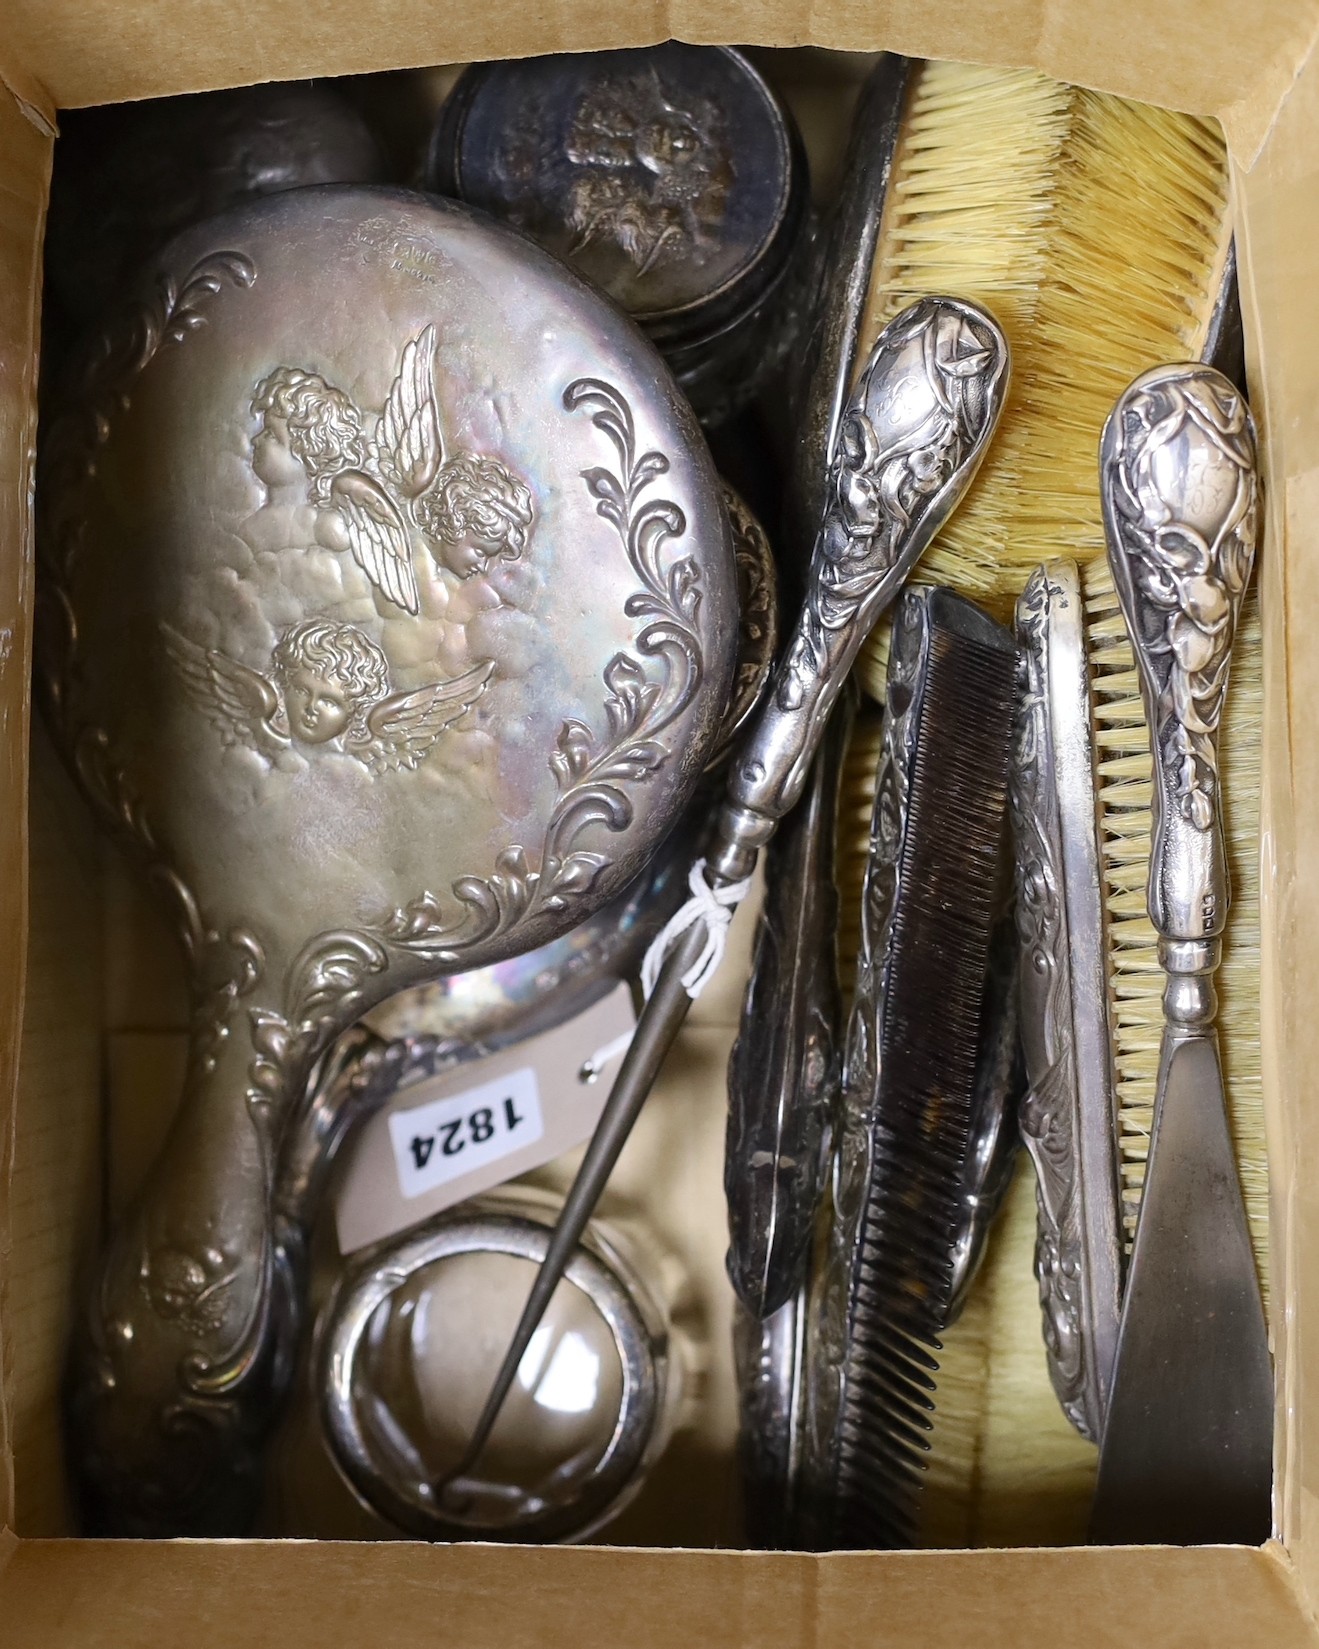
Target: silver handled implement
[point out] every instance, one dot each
(1186, 1455)
(917, 425)
(1069, 1117)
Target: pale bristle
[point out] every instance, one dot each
(952, 1483)
(856, 799)
(1095, 231)
(1124, 785)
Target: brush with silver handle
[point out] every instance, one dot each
(1186, 1455)
(917, 425)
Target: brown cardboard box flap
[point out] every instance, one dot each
(1255, 67)
(296, 1595)
(24, 176)
(1176, 53)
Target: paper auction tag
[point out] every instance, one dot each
(468, 1130)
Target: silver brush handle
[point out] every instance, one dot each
(914, 431)
(924, 409)
(1180, 496)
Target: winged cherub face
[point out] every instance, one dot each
(319, 707)
(309, 431)
(329, 675)
(476, 512)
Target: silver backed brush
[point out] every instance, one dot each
(1187, 1448)
(1069, 1117)
(917, 424)
(783, 1070)
(886, 1287)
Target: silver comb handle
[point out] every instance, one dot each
(910, 440)
(1180, 498)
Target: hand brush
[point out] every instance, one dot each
(914, 431)
(1069, 1117)
(912, 1111)
(1097, 230)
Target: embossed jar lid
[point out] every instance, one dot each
(670, 175)
(389, 602)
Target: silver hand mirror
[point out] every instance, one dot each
(389, 614)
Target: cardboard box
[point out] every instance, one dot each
(1257, 69)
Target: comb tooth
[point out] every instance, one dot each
(890, 1452)
(877, 1376)
(927, 1022)
(900, 1429)
(913, 1402)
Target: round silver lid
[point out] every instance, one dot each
(671, 176)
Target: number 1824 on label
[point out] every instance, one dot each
(436, 1143)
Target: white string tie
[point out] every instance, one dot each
(592, 1067)
(712, 905)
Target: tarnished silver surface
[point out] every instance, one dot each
(1181, 507)
(670, 175)
(838, 285)
(758, 605)
(1187, 1448)
(783, 1068)
(486, 1007)
(768, 1357)
(383, 1450)
(1000, 1086)
(1069, 1116)
(919, 421)
(389, 613)
(910, 439)
(128, 176)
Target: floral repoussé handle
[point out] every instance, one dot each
(1181, 506)
(925, 407)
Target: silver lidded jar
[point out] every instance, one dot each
(671, 176)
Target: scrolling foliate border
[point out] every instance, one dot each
(225, 967)
(594, 773)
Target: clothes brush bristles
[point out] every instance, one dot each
(1096, 231)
